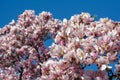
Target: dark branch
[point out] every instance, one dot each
(21, 73)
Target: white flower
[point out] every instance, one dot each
(10, 77)
(109, 67)
(38, 67)
(112, 33)
(77, 39)
(50, 62)
(80, 54)
(60, 33)
(68, 30)
(96, 47)
(13, 28)
(103, 67)
(12, 22)
(64, 21)
(91, 29)
(85, 15)
(103, 20)
(98, 78)
(72, 18)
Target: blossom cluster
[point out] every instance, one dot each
(78, 43)
(22, 44)
(83, 41)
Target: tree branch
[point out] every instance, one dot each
(21, 72)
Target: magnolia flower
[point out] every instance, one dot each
(65, 22)
(78, 42)
(80, 54)
(112, 33)
(104, 20)
(94, 55)
(68, 31)
(85, 15)
(104, 67)
(102, 60)
(117, 68)
(98, 78)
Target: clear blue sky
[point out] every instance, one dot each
(10, 9)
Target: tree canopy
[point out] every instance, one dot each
(78, 43)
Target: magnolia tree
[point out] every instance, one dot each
(78, 43)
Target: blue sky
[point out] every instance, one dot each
(10, 9)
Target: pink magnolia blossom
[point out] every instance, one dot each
(78, 43)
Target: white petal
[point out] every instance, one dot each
(68, 31)
(96, 47)
(109, 67)
(65, 20)
(12, 22)
(103, 67)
